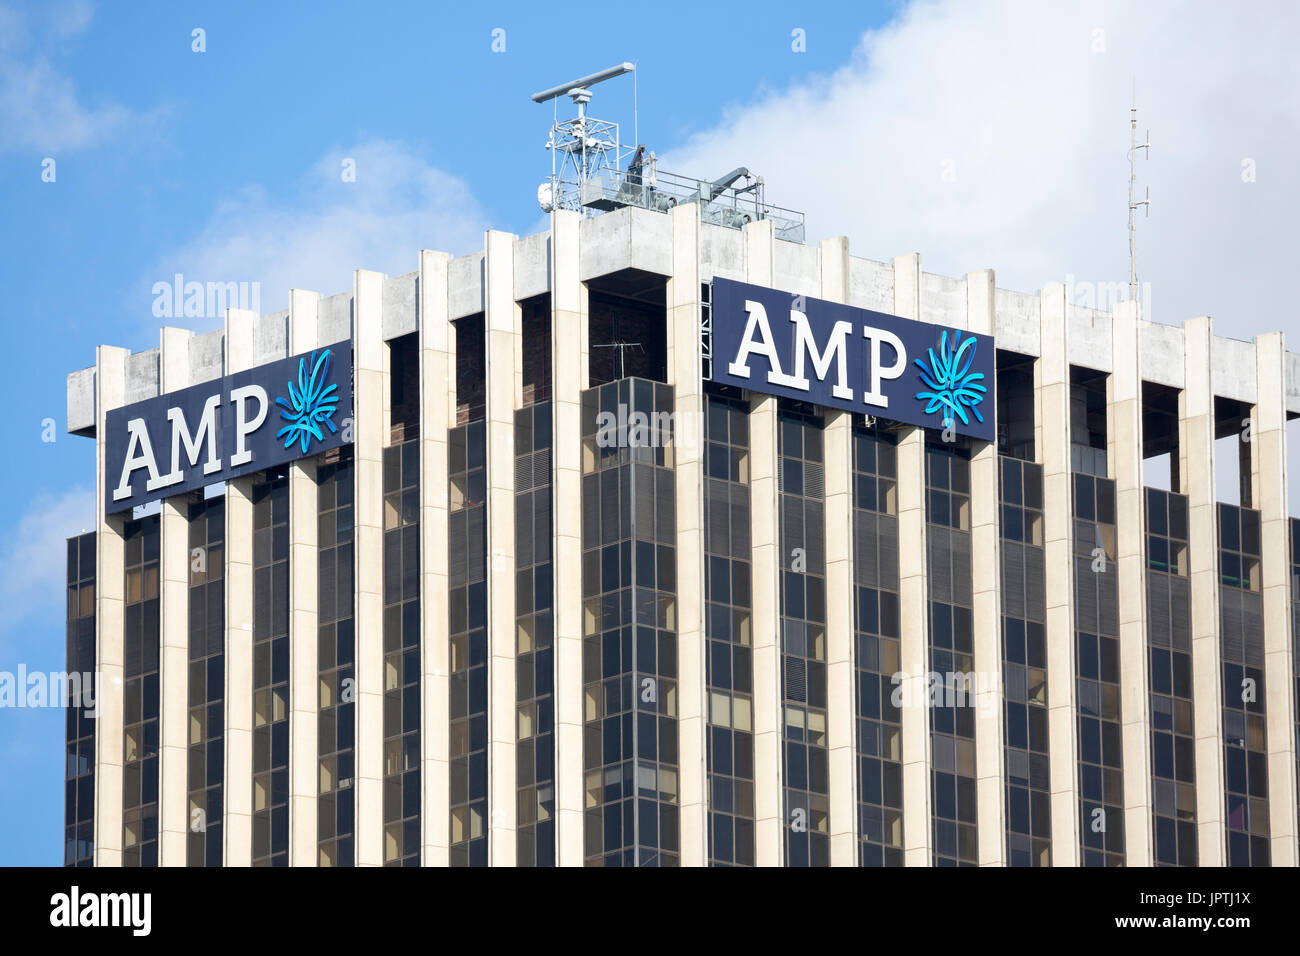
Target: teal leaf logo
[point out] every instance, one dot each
(311, 404)
(952, 389)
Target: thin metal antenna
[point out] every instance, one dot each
(636, 136)
(622, 346)
(1134, 146)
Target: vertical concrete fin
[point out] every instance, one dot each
(238, 823)
(370, 414)
(913, 602)
(174, 644)
(568, 379)
(437, 360)
(841, 700)
(1052, 430)
(685, 370)
(765, 544)
(1124, 453)
(986, 619)
(1270, 479)
(110, 562)
(503, 324)
(1196, 422)
(304, 699)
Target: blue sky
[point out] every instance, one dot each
(982, 134)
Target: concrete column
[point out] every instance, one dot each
(765, 544)
(503, 324)
(173, 632)
(685, 371)
(986, 592)
(370, 391)
(769, 846)
(568, 379)
(1124, 452)
(437, 414)
(238, 790)
(1052, 440)
(913, 602)
(304, 618)
(841, 700)
(1270, 477)
(110, 619)
(1196, 453)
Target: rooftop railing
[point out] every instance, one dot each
(660, 192)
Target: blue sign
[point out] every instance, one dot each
(853, 359)
(235, 425)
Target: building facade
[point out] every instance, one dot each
(556, 597)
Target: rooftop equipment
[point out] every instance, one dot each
(593, 172)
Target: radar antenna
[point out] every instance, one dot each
(582, 148)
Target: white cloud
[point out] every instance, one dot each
(33, 556)
(40, 109)
(71, 18)
(1035, 124)
(314, 237)
(40, 106)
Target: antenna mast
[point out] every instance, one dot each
(622, 347)
(583, 148)
(1134, 146)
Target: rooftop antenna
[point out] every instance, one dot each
(622, 348)
(581, 148)
(1134, 146)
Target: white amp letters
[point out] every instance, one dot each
(140, 454)
(757, 340)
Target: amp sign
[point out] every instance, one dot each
(853, 359)
(235, 425)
